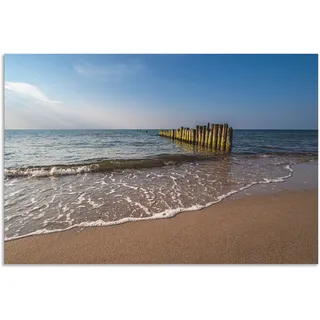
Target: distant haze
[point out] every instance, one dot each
(160, 91)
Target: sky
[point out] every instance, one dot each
(160, 91)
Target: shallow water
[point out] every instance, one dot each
(56, 180)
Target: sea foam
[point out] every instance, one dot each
(168, 213)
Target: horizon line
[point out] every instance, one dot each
(145, 129)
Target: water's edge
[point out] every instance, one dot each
(162, 215)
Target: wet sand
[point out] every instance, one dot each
(279, 228)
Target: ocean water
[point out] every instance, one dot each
(56, 180)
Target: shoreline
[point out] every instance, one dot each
(279, 227)
(303, 171)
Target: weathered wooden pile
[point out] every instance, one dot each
(217, 137)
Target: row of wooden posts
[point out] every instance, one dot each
(217, 137)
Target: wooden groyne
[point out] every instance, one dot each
(217, 137)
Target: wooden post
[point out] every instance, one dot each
(219, 137)
(224, 137)
(203, 135)
(210, 136)
(206, 138)
(229, 140)
(214, 136)
(197, 134)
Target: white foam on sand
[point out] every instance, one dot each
(169, 213)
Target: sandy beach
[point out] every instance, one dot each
(280, 228)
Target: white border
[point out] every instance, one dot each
(154, 292)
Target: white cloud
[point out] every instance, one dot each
(26, 90)
(114, 72)
(27, 107)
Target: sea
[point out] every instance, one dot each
(55, 180)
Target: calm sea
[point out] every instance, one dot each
(59, 179)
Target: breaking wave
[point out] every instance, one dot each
(102, 165)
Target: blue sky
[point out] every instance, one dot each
(160, 91)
